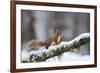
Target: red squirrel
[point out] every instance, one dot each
(36, 43)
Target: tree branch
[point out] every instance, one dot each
(55, 50)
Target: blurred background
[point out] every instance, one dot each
(42, 24)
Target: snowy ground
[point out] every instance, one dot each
(68, 56)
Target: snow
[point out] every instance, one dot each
(84, 35)
(25, 55)
(67, 56)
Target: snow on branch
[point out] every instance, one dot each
(56, 50)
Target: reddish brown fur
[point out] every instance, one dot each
(36, 44)
(57, 37)
(48, 42)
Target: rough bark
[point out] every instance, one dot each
(56, 50)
